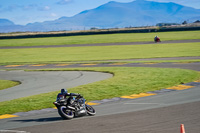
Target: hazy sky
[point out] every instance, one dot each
(30, 11)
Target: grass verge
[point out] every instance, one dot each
(159, 61)
(7, 84)
(126, 81)
(51, 55)
(103, 38)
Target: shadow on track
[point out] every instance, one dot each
(49, 119)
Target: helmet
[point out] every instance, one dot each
(63, 91)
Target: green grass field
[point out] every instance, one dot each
(95, 53)
(107, 38)
(7, 84)
(126, 80)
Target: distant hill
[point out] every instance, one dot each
(114, 15)
(5, 22)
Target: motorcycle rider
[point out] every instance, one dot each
(156, 39)
(72, 106)
(64, 93)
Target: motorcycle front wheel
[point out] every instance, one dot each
(90, 110)
(65, 113)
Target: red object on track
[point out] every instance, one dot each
(182, 128)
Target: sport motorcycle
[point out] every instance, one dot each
(73, 107)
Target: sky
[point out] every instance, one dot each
(23, 12)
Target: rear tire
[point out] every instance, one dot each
(90, 110)
(65, 113)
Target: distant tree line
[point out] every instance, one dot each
(166, 24)
(171, 24)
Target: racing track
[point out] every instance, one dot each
(161, 113)
(38, 82)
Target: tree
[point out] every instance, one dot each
(185, 22)
(197, 21)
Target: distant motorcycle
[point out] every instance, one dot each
(157, 39)
(76, 107)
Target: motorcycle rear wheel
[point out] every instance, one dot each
(65, 113)
(90, 110)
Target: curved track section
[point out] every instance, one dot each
(155, 114)
(38, 82)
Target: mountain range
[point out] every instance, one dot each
(113, 15)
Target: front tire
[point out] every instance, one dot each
(65, 113)
(90, 110)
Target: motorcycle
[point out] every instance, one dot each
(76, 107)
(157, 39)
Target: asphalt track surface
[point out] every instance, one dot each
(37, 82)
(184, 65)
(161, 113)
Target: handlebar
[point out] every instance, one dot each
(79, 96)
